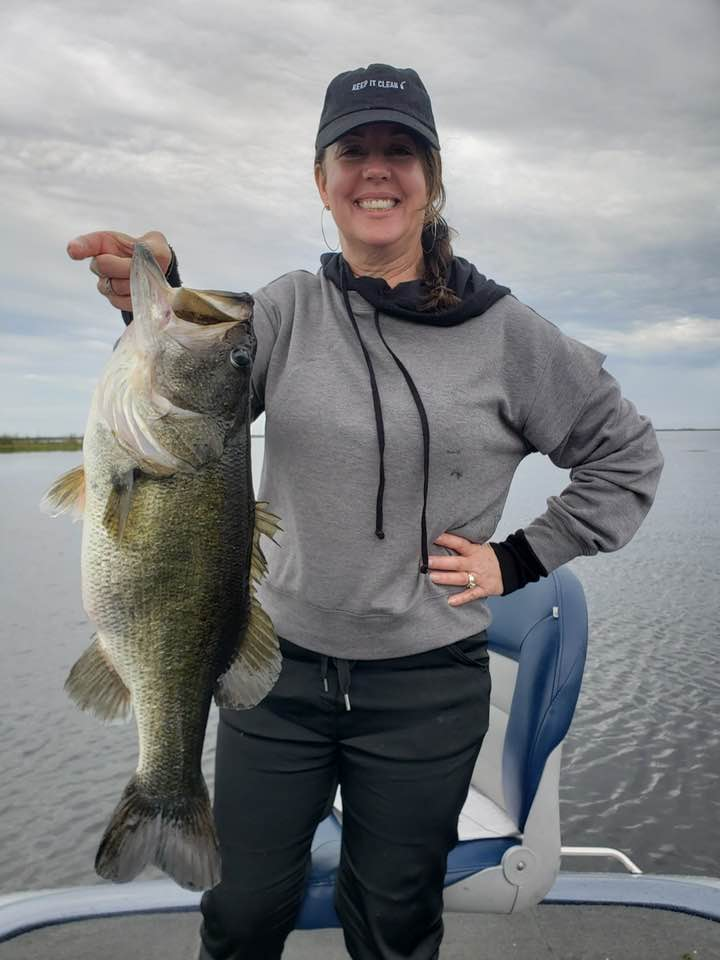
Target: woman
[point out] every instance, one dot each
(401, 390)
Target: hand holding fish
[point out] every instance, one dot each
(111, 253)
(476, 558)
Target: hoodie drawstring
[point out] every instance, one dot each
(343, 668)
(380, 427)
(426, 443)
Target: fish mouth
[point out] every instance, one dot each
(152, 295)
(143, 262)
(206, 307)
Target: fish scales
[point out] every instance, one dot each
(170, 550)
(168, 599)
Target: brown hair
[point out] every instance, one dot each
(435, 237)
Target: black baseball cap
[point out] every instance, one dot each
(374, 94)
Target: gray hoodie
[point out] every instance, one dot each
(495, 388)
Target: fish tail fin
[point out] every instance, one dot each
(94, 684)
(177, 834)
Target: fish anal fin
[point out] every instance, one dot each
(66, 495)
(256, 668)
(94, 684)
(117, 508)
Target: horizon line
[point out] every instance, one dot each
(259, 436)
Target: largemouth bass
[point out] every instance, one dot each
(170, 558)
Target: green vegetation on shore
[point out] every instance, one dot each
(10, 444)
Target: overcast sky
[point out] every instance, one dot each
(581, 150)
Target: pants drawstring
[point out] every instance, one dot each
(343, 668)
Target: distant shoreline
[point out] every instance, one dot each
(13, 444)
(39, 444)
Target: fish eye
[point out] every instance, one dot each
(239, 357)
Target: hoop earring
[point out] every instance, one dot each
(432, 245)
(322, 230)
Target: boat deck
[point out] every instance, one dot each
(547, 932)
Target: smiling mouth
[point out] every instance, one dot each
(377, 204)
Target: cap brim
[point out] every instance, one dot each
(330, 133)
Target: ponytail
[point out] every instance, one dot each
(435, 237)
(437, 254)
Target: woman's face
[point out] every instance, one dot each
(372, 178)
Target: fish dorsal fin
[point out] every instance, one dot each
(255, 669)
(117, 508)
(269, 524)
(67, 494)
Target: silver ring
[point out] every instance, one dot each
(108, 287)
(471, 581)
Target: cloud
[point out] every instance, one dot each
(82, 384)
(696, 337)
(579, 145)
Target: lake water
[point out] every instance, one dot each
(641, 765)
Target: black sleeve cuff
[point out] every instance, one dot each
(518, 562)
(172, 275)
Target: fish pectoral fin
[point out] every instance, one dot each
(117, 508)
(94, 684)
(67, 494)
(256, 668)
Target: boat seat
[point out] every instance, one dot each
(508, 852)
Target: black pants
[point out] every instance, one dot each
(403, 755)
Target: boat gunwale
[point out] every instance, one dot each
(24, 912)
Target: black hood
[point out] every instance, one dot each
(476, 292)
